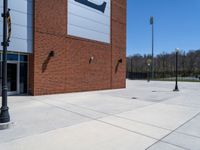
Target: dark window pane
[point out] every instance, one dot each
(12, 57)
(12, 77)
(23, 58)
(23, 78)
(0, 70)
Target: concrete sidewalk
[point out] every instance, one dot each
(142, 116)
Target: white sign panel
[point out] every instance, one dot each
(89, 19)
(22, 29)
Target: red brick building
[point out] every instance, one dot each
(61, 61)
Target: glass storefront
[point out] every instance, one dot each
(17, 73)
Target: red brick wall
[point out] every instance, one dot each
(118, 43)
(69, 70)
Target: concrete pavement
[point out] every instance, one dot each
(142, 116)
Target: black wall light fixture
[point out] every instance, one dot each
(51, 54)
(120, 61)
(91, 59)
(46, 62)
(100, 8)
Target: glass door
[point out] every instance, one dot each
(12, 78)
(17, 73)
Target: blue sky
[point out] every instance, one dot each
(177, 25)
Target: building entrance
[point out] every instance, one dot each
(17, 71)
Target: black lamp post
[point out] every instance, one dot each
(152, 25)
(176, 85)
(148, 68)
(4, 115)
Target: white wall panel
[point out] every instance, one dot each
(20, 18)
(87, 22)
(90, 34)
(24, 45)
(20, 5)
(22, 31)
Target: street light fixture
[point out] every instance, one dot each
(176, 85)
(4, 114)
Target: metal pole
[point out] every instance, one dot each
(4, 115)
(152, 25)
(176, 86)
(149, 66)
(153, 50)
(131, 68)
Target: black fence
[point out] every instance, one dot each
(164, 76)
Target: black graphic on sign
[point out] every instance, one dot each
(100, 8)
